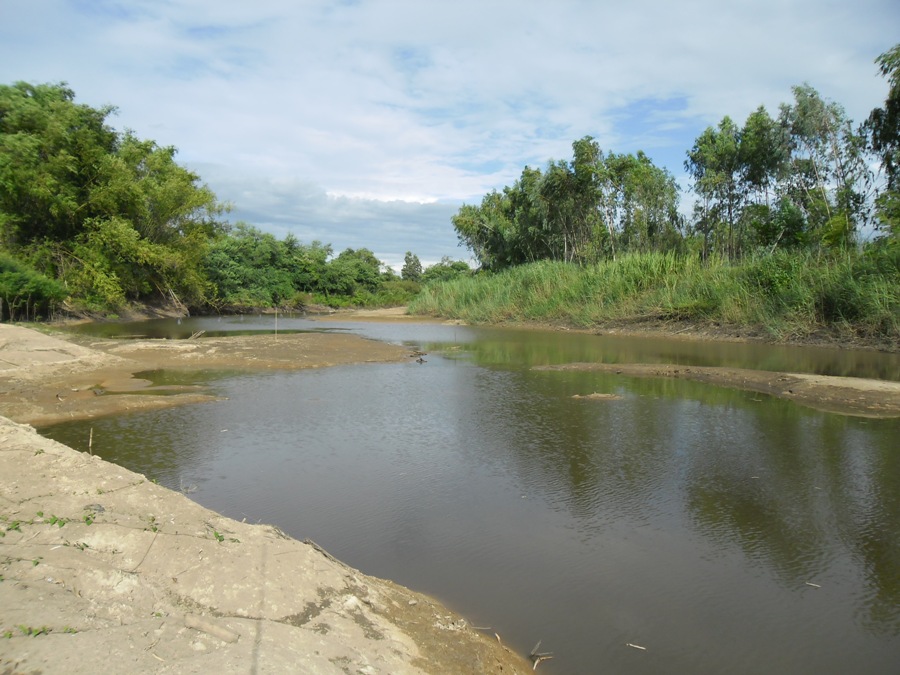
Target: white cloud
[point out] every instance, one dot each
(367, 123)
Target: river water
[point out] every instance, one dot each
(723, 531)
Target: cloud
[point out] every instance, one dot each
(304, 209)
(368, 123)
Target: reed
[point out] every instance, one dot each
(786, 294)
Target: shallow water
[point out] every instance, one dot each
(684, 518)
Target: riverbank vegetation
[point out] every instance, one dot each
(93, 220)
(795, 228)
(788, 295)
(793, 231)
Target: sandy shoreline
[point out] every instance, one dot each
(101, 570)
(105, 571)
(853, 396)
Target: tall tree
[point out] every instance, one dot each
(829, 175)
(112, 216)
(412, 267)
(649, 207)
(714, 163)
(884, 122)
(884, 132)
(764, 154)
(52, 152)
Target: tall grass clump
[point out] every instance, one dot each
(787, 294)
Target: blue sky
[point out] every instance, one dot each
(366, 123)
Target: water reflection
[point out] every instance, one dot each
(498, 346)
(683, 517)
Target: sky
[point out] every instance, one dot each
(367, 123)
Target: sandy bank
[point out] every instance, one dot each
(104, 571)
(843, 395)
(49, 378)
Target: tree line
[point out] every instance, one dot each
(92, 219)
(802, 179)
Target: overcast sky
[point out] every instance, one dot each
(366, 123)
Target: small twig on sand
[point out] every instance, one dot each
(537, 657)
(198, 623)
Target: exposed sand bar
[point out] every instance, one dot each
(844, 395)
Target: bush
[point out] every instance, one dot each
(26, 293)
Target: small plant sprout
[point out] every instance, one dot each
(34, 632)
(57, 520)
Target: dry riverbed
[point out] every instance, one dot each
(101, 570)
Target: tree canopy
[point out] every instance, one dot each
(92, 218)
(801, 179)
(112, 217)
(99, 218)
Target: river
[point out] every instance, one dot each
(674, 527)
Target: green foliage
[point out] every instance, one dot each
(788, 293)
(883, 127)
(25, 293)
(577, 211)
(445, 270)
(412, 267)
(247, 268)
(112, 217)
(884, 122)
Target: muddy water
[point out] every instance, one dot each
(723, 531)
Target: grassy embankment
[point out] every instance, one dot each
(789, 296)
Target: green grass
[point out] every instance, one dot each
(787, 294)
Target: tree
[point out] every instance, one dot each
(884, 122)
(883, 127)
(714, 162)
(51, 153)
(648, 210)
(829, 176)
(574, 211)
(764, 154)
(352, 271)
(112, 217)
(412, 268)
(445, 270)
(21, 288)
